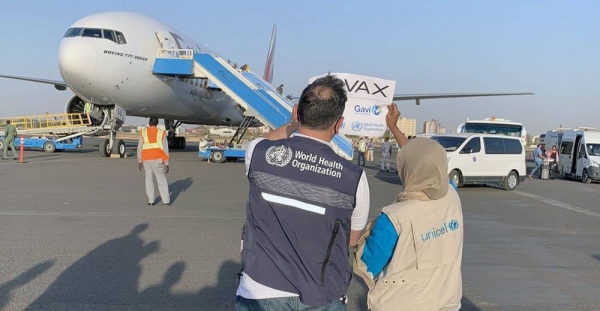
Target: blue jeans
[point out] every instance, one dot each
(284, 304)
(361, 155)
(536, 168)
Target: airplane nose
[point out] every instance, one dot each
(76, 58)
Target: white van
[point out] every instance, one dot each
(579, 155)
(484, 159)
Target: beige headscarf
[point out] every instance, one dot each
(423, 168)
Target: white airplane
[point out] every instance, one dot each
(106, 59)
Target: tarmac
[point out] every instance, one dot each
(77, 235)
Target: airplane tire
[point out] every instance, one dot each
(182, 142)
(119, 148)
(2, 144)
(103, 149)
(49, 147)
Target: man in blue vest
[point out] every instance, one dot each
(306, 207)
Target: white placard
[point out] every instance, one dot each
(366, 108)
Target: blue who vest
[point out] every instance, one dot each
(298, 218)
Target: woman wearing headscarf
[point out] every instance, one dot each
(410, 256)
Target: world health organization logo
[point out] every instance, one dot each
(356, 126)
(376, 110)
(453, 225)
(278, 155)
(343, 125)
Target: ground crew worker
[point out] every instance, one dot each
(306, 207)
(369, 153)
(386, 153)
(280, 89)
(153, 156)
(362, 148)
(411, 255)
(10, 131)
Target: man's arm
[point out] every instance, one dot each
(360, 215)
(282, 132)
(166, 149)
(392, 122)
(285, 130)
(139, 149)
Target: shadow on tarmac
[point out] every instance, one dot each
(7, 288)
(108, 277)
(176, 188)
(597, 257)
(468, 305)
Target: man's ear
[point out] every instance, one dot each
(295, 113)
(338, 124)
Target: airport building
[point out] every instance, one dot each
(408, 126)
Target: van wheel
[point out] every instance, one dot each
(511, 181)
(454, 177)
(585, 178)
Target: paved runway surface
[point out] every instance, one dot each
(77, 235)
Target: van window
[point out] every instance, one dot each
(449, 143)
(566, 147)
(512, 146)
(474, 145)
(593, 149)
(493, 145)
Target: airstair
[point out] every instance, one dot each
(68, 125)
(257, 96)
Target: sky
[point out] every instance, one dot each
(547, 47)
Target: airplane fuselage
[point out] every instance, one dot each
(107, 59)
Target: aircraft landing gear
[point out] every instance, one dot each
(110, 146)
(174, 141)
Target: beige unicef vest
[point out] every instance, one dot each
(424, 273)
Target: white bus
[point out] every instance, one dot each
(494, 125)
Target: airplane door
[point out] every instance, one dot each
(167, 42)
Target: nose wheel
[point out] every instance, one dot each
(174, 141)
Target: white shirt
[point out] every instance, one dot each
(251, 289)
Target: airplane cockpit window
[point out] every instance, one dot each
(109, 34)
(114, 36)
(120, 38)
(73, 32)
(92, 32)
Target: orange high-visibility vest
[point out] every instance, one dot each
(152, 144)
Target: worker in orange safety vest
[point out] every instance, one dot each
(153, 156)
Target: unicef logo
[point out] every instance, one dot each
(453, 225)
(356, 126)
(376, 110)
(278, 155)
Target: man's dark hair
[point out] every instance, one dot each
(7, 121)
(153, 121)
(322, 103)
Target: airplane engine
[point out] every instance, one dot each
(98, 116)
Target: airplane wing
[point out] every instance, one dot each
(418, 97)
(59, 85)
